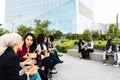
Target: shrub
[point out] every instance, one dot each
(76, 41)
(100, 45)
(62, 47)
(65, 40)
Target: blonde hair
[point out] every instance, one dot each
(8, 40)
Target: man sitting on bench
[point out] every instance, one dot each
(110, 50)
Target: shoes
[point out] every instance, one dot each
(80, 57)
(53, 71)
(60, 55)
(60, 61)
(115, 64)
(105, 63)
(88, 58)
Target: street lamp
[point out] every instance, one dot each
(13, 24)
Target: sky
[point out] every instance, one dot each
(2, 11)
(105, 11)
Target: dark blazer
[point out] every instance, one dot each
(107, 47)
(79, 46)
(41, 46)
(9, 66)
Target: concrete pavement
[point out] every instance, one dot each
(74, 68)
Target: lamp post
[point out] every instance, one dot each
(116, 30)
(13, 24)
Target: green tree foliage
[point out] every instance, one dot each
(23, 30)
(41, 27)
(69, 35)
(0, 24)
(103, 37)
(79, 36)
(115, 32)
(74, 36)
(57, 34)
(2, 31)
(87, 35)
(112, 30)
(95, 35)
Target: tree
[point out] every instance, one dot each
(23, 30)
(0, 24)
(68, 35)
(74, 36)
(2, 31)
(79, 36)
(57, 34)
(87, 35)
(95, 35)
(115, 32)
(42, 27)
(112, 30)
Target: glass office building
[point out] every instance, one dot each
(65, 15)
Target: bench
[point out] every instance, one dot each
(96, 55)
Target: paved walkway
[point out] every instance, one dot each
(74, 68)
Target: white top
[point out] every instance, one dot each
(91, 47)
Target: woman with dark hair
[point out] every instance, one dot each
(51, 45)
(87, 48)
(80, 48)
(45, 56)
(29, 47)
(9, 60)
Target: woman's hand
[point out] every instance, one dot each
(46, 54)
(32, 70)
(25, 56)
(28, 62)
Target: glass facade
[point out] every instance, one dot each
(61, 13)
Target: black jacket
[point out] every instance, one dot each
(79, 46)
(9, 66)
(107, 47)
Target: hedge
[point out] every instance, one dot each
(100, 45)
(62, 47)
(65, 40)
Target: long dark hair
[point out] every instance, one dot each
(109, 41)
(80, 40)
(51, 38)
(40, 38)
(34, 45)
